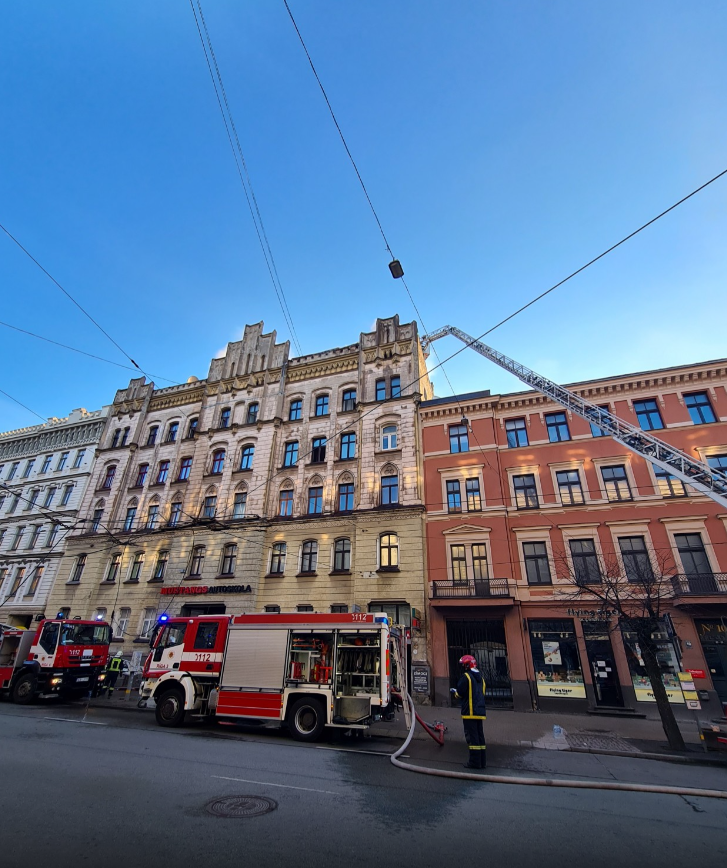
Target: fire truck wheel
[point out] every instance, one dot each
(306, 719)
(24, 689)
(170, 708)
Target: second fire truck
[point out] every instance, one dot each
(305, 670)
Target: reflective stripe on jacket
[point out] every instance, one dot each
(471, 693)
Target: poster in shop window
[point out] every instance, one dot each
(551, 653)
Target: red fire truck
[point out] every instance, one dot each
(308, 671)
(60, 658)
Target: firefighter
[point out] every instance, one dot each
(113, 668)
(470, 691)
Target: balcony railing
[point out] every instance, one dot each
(480, 588)
(702, 584)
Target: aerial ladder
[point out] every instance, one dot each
(699, 475)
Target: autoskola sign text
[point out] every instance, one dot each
(204, 589)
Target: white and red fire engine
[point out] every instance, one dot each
(60, 658)
(306, 670)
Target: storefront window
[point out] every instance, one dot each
(668, 663)
(555, 656)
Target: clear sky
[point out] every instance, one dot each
(503, 143)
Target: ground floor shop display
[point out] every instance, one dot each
(556, 660)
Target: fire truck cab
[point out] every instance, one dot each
(307, 671)
(61, 658)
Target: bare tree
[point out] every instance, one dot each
(635, 593)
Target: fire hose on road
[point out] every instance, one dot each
(538, 782)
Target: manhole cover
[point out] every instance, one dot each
(241, 806)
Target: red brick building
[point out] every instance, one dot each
(524, 496)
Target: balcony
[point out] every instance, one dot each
(480, 589)
(699, 584)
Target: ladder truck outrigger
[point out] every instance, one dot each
(707, 480)
(308, 671)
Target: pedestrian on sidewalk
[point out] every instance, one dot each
(470, 691)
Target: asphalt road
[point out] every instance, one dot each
(119, 791)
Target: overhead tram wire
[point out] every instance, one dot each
(241, 167)
(42, 418)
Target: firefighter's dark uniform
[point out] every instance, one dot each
(471, 693)
(113, 668)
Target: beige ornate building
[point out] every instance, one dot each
(274, 483)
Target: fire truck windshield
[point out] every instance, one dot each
(85, 634)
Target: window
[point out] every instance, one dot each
(209, 507)
(691, 551)
(46, 464)
(389, 437)
(537, 568)
(34, 495)
(277, 558)
(152, 436)
(112, 570)
(569, 487)
(252, 412)
(395, 384)
(162, 472)
(172, 432)
(479, 562)
(78, 568)
(315, 500)
(517, 433)
(62, 461)
(67, 492)
(348, 446)
(458, 439)
(49, 497)
(79, 458)
(152, 516)
(238, 507)
(96, 520)
(185, 468)
(225, 418)
(272, 610)
(309, 556)
(669, 486)
(304, 607)
(635, 558)
(349, 400)
(699, 408)
(141, 475)
(322, 405)
(229, 558)
(35, 536)
(647, 412)
(290, 458)
(109, 477)
(339, 609)
(99, 614)
(175, 514)
(130, 516)
(206, 636)
(124, 437)
(345, 497)
(218, 461)
(13, 504)
(148, 621)
(585, 562)
(29, 467)
(246, 457)
(454, 496)
(136, 567)
(17, 538)
(342, 555)
(52, 534)
(192, 429)
(295, 411)
(318, 453)
(17, 581)
(557, 426)
(526, 492)
(13, 471)
(196, 561)
(616, 482)
(459, 565)
(718, 462)
(35, 578)
(389, 490)
(388, 551)
(123, 622)
(595, 430)
(160, 567)
(474, 499)
(381, 390)
(116, 438)
(286, 502)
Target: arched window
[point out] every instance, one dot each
(218, 461)
(97, 516)
(277, 559)
(315, 500)
(197, 561)
(172, 432)
(229, 557)
(239, 504)
(389, 486)
(285, 502)
(130, 515)
(141, 475)
(388, 551)
(192, 429)
(252, 412)
(108, 480)
(345, 497)
(152, 516)
(209, 506)
(309, 556)
(175, 513)
(389, 437)
(248, 453)
(342, 555)
(151, 437)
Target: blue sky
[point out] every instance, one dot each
(504, 144)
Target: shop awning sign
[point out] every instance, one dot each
(196, 590)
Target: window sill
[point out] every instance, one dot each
(225, 576)
(343, 412)
(396, 451)
(388, 570)
(340, 573)
(108, 584)
(157, 484)
(192, 577)
(306, 575)
(345, 460)
(319, 416)
(239, 470)
(207, 475)
(146, 446)
(155, 581)
(140, 640)
(180, 481)
(117, 640)
(73, 582)
(315, 463)
(288, 466)
(274, 575)
(131, 582)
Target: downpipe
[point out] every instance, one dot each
(544, 782)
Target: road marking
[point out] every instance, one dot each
(354, 750)
(268, 784)
(74, 720)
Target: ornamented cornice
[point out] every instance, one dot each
(326, 368)
(77, 435)
(164, 402)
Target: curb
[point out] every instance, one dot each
(665, 758)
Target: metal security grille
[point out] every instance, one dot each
(485, 641)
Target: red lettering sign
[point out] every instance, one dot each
(697, 673)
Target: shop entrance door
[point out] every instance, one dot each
(713, 636)
(606, 685)
(485, 641)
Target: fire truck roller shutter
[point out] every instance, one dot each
(255, 658)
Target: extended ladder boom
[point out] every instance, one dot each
(701, 476)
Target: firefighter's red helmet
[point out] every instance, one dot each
(469, 661)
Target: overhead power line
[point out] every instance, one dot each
(42, 418)
(241, 165)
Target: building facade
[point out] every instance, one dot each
(276, 483)
(525, 502)
(44, 470)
